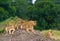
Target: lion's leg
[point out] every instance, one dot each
(27, 30)
(17, 27)
(21, 27)
(12, 32)
(6, 29)
(32, 29)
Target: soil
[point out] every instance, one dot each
(22, 35)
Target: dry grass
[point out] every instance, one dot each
(56, 33)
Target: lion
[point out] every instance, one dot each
(28, 26)
(10, 28)
(18, 24)
(49, 34)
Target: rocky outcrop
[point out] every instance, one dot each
(22, 35)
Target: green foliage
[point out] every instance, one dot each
(12, 10)
(3, 13)
(6, 9)
(21, 8)
(31, 12)
(5, 1)
(45, 13)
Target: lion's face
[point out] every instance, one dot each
(32, 23)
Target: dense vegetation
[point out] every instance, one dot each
(6, 9)
(45, 12)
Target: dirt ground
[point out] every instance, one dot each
(22, 35)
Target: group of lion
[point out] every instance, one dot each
(24, 25)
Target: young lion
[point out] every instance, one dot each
(18, 24)
(10, 29)
(49, 34)
(29, 26)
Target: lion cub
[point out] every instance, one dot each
(29, 26)
(10, 29)
(18, 24)
(49, 34)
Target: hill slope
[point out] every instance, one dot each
(22, 35)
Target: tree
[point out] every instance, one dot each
(49, 13)
(45, 13)
(3, 14)
(6, 9)
(5, 1)
(21, 8)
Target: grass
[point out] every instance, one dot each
(2, 30)
(56, 33)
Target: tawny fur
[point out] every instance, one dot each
(10, 29)
(49, 34)
(18, 24)
(28, 26)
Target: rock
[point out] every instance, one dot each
(22, 35)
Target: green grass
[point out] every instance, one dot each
(56, 33)
(2, 30)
